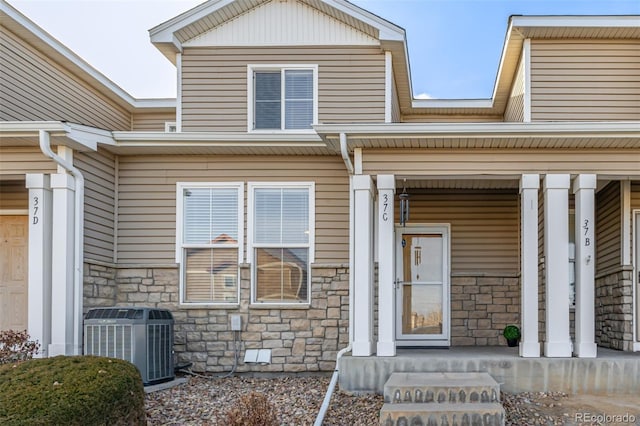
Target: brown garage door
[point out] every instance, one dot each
(13, 272)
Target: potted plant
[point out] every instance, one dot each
(512, 334)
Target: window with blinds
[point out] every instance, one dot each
(283, 98)
(211, 237)
(282, 235)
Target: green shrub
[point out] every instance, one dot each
(253, 409)
(511, 332)
(15, 346)
(80, 390)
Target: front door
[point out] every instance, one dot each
(422, 285)
(13, 272)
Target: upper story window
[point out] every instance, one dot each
(209, 240)
(282, 97)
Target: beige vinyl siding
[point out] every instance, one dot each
(147, 199)
(98, 169)
(445, 162)
(16, 161)
(515, 104)
(594, 80)
(214, 84)
(608, 227)
(32, 87)
(13, 195)
(151, 121)
(484, 228)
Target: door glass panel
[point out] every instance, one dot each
(422, 289)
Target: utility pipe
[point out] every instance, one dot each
(334, 378)
(45, 147)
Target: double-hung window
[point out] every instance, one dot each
(282, 97)
(281, 238)
(209, 241)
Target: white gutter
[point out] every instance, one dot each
(45, 147)
(334, 378)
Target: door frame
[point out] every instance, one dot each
(443, 340)
(635, 281)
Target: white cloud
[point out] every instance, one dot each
(424, 96)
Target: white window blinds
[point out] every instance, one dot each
(281, 216)
(211, 216)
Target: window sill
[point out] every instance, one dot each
(279, 306)
(283, 132)
(230, 306)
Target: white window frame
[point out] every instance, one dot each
(251, 187)
(252, 68)
(170, 124)
(180, 187)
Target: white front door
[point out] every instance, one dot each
(422, 285)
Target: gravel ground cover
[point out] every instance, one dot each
(205, 401)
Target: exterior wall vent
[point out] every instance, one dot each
(142, 336)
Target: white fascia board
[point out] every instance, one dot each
(387, 30)
(163, 33)
(89, 137)
(81, 137)
(167, 103)
(470, 130)
(210, 139)
(631, 21)
(9, 128)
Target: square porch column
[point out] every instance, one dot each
(529, 185)
(62, 258)
(363, 266)
(39, 304)
(556, 253)
(584, 187)
(386, 264)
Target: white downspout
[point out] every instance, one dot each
(334, 378)
(45, 147)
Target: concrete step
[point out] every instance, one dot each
(445, 414)
(439, 388)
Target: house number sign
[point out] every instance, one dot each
(586, 228)
(385, 207)
(36, 208)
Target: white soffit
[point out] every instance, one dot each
(283, 23)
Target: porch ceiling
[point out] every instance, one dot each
(479, 183)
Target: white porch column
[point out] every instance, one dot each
(363, 266)
(386, 263)
(39, 305)
(529, 185)
(556, 254)
(584, 187)
(62, 308)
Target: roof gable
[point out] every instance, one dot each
(283, 23)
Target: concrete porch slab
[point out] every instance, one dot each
(612, 372)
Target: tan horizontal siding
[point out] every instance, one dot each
(585, 80)
(484, 228)
(13, 195)
(33, 87)
(98, 169)
(608, 226)
(18, 161)
(147, 199)
(444, 162)
(214, 84)
(515, 104)
(152, 121)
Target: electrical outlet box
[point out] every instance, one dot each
(236, 323)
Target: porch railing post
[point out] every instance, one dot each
(529, 185)
(386, 297)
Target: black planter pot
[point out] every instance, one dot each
(512, 343)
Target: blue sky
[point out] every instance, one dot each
(454, 45)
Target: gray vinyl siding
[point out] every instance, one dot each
(594, 80)
(151, 121)
(515, 105)
(16, 161)
(351, 84)
(608, 227)
(35, 88)
(147, 199)
(484, 227)
(98, 169)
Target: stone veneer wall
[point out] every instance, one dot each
(614, 309)
(481, 307)
(305, 339)
(100, 287)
